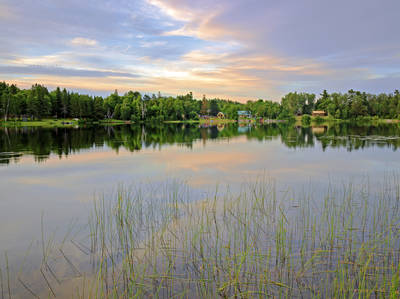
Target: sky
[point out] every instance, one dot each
(233, 49)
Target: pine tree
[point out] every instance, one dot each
(204, 106)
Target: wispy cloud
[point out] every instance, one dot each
(243, 49)
(81, 41)
(60, 71)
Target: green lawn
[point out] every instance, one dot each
(40, 123)
(58, 123)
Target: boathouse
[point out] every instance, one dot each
(318, 113)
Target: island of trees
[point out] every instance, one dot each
(39, 103)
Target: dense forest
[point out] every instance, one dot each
(38, 103)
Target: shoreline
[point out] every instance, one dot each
(70, 123)
(326, 120)
(59, 123)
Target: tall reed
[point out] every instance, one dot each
(254, 243)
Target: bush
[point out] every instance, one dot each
(193, 115)
(363, 119)
(306, 120)
(134, 118)
(330, 118)
(318, 119)
(285, 115)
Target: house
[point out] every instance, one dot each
(318, 113)
(220, 115)
(244, 114)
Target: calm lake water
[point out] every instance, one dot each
(54, 174)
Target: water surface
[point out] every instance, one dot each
(53, 174)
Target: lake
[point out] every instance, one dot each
(49, 177)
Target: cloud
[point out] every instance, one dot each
(97, 85)
(81, 41)
(242, 49)
(290, 28)
(60, 71)
(6, 13)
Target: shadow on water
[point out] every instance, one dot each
(43, 142)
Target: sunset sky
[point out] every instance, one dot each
(233, 49)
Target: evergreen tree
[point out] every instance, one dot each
(204, 106)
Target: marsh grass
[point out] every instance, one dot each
(258, 243)
(158, 242)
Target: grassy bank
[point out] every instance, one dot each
(191, 121)
(328, 120)
(58, 123)
(341, 244)
(48, 123)
(211, 121)
(216, 121)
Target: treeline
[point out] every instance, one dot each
(350, 105)
(38, 103)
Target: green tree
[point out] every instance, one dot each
(98, 108)
(126, 109)
(56, 103)
(213, 107)
(65, 103)
(117, 111)
(75, 109)
(204, 106)
(331, 109)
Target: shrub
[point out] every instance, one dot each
(306, 120)
(318, 119)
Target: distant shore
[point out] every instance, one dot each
(327, 120)
(66, 123)
(59, 123)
